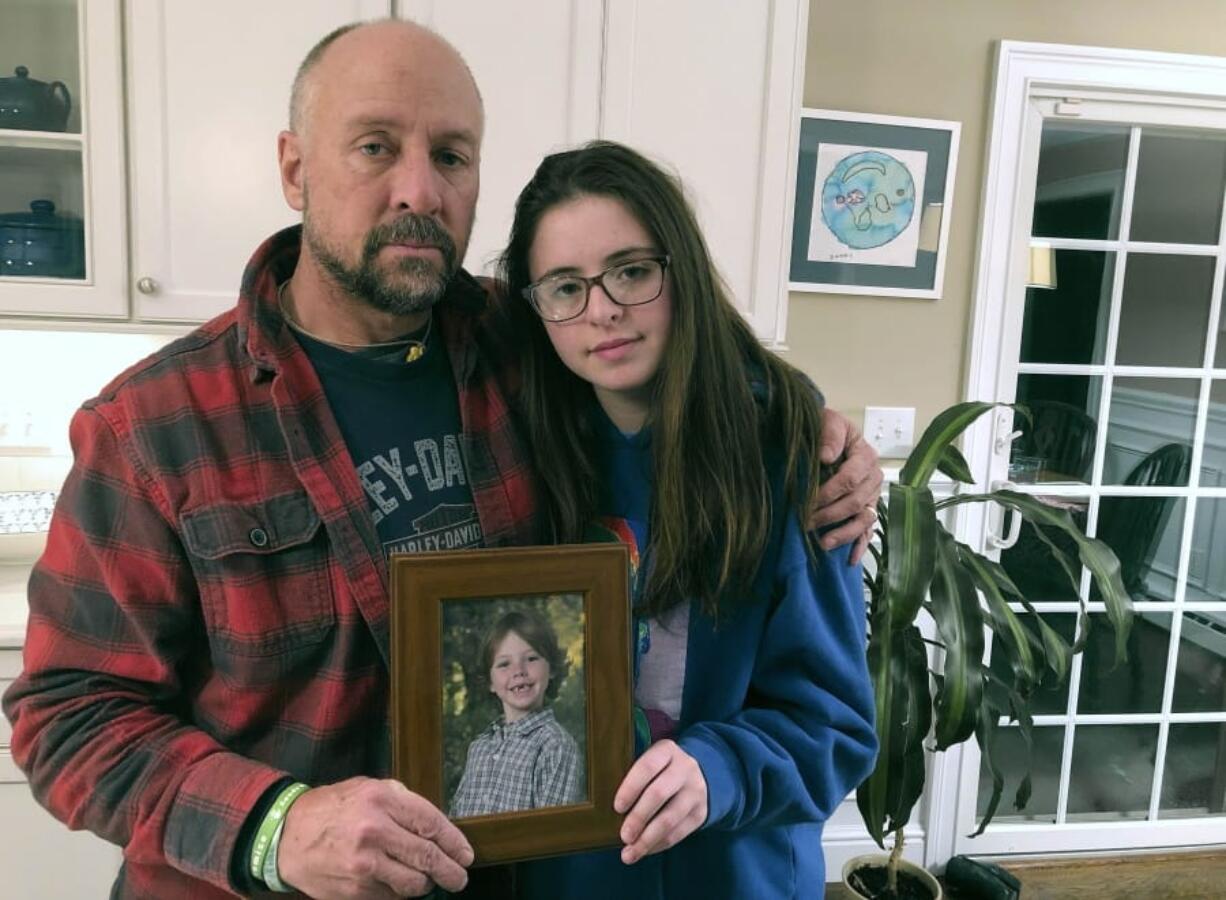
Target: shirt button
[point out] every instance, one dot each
(258, 537)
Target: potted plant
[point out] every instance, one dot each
(920, 566)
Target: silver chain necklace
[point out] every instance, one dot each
(414, 348)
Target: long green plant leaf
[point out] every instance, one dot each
(1072, 572)
(1096, 556)
(898, 666)
(1025, 727)
(959, 620)
(954, 464)
(1056, 651)
(1013, 636)
(985, 732)
(910, 542)
(1003, 701)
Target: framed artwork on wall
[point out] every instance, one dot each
(872, 197)
(511, 693)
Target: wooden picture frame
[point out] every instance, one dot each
(439, 603)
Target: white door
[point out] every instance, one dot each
(1105, 320)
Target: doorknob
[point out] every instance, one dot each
(148, 285)
(1004, 542)
(1005, 435)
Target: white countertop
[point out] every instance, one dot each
(13, 578)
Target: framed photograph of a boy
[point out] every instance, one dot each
(511, 693)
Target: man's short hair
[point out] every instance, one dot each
(297, 94)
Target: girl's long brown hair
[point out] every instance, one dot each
(711, 502)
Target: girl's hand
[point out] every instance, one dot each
(665, 796)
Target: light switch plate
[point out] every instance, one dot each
(890, 429)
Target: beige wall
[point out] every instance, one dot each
(893, 352)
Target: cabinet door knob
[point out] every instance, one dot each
(147, 285)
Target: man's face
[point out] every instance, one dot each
(389, 174)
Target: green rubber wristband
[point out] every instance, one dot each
(268, 826)
(272, 878)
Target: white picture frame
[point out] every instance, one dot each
(871, 202)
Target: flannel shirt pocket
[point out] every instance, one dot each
(262, 571)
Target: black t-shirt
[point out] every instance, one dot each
(401, 423)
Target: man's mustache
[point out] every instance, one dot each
(413, 229)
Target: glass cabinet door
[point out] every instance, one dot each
(61, 235)
(41, 196)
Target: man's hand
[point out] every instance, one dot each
(666, 796)
(851, 493)
(365, 839)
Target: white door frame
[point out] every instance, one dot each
(1024, 69)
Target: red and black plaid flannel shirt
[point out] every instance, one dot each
(210, 614)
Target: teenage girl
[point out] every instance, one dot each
(654, 411)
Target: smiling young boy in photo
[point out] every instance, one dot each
(524, 759)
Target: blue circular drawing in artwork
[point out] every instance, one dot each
(868, 199)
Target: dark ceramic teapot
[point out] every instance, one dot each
(27, 104)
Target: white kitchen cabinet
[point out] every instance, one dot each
(69, 257)
(40, 859)
(709, 87)
(712, 88)
(538, 67)
(168, 227)
(208, 90)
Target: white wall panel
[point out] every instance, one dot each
(538, 67)
(208, 91)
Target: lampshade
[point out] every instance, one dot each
(1042, 265)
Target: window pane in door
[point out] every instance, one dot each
(1149, 433)
(1181, 175)
(1057, 444)
(1164, 318)
(1133, 688)
(1080, 183)
(1213, 466)
(1207, 566)
(1194, 780)
(1010, 755)
(1112, 772)
(1067, 323)
(1051, 696)
(1033, 568)
(1200, 673)
(1144, 533)
(1219, 358)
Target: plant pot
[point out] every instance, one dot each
(925, 880)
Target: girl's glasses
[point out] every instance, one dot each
(562, 297)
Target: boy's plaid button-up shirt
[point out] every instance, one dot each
(210, 614)
(527, 764)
